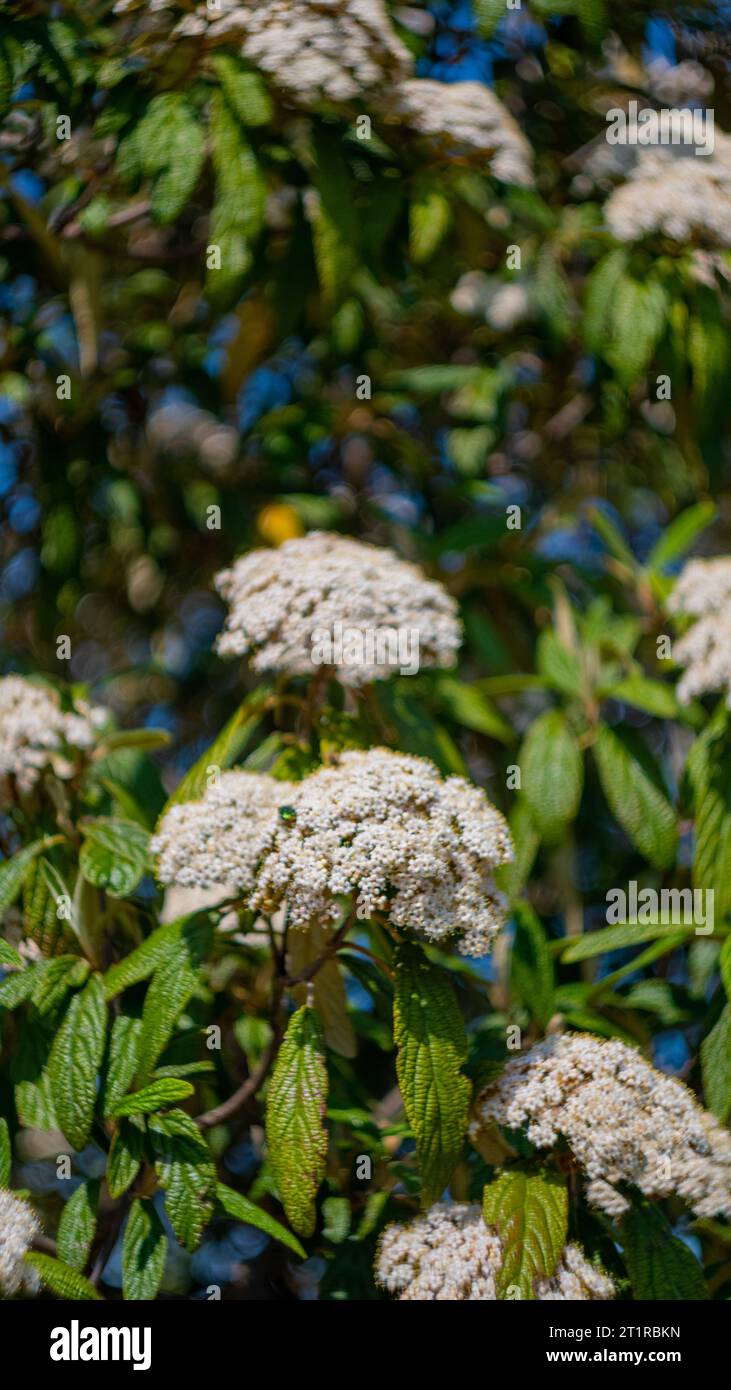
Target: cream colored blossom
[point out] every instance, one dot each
(624, 1121)
(703, 591)
(703, 587)
(387, 829)
(678, 193)
(346, 52)
(502, 304)
(467, 118)
(219, 840)
(18, 1227)
(450, 1255)
(35, 732)
(283, 602)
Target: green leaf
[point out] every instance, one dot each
(430, 217)
(243, 1210)
(125, 1155)
(531, 965)
(224, 750)
(144, 1249)
(709, 780)
(124, 1047)
(18, 987)
(513, 877)
(430, 1036)
(552, 774)
(173, 983)
(618, 938)
(470, 707)
(296, 1136)
(336, 1219)
(61, 1279)
(154, 1097)
(77, 1226)
(716, 1066)
(636, 795)
(170, 145)
(244, 90)
(659, 1265)
(680, 535)
(186, 1170)
(637, 317)
(558, 666)
(642, 693)
(114, 854)
(13, 870)
(529, 1211)
(10, 957)
(149, 739)
(160, 945)
(74, 1062)
(600, 290)
(6, 1153)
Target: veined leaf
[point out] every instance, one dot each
(13, 870)
(552, 774)
(296, 1101)
(124, 1047)
(6, 1154)
(10, 957)
(186, 1170)
(330, 1000)
(154, 1097)
(430, 217)
(634, 790)
(77, 1225)
(430, 1036)
(125, 1155)
(173, 983)
(61, 1279)
(241, 1209)
(114, 854)
(245, 91)
(709, 780)
(660, 1266)
(75, 1059)
(529, 1211)
(716, 1066)
(642, 693)
(144, 1249)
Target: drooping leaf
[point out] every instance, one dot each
(144, 1249)
(75, 1060)
(552, 774)
(709, 779)
(185, 1169)
(77, 1225)
(430, 1036)
(124, 1047)
(13, 870)
(529, 1211)
(716, 1066)
(125, 1154)
(636, 795)
(660, 1266)
(243, 1210)
(296, 1101)
(531, 965)
(173, 983)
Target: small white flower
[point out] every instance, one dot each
(703, 591)
(34, 728)
(219, 840)
(387, 829)
(624, 1121)
(280, 600)
(18, 1227)
(450, 1255)
(676, 192)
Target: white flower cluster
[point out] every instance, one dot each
(502, 304)
(466, 117)
(219, 840)
(386, 828)
(334, 52)
(704, 592)
(624, 1121)
(35, 732)
(281, 599)
(678, 193)
(18, 1227)
(316, 50)
(449, 1254)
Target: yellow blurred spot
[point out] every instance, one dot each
(279, 522)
